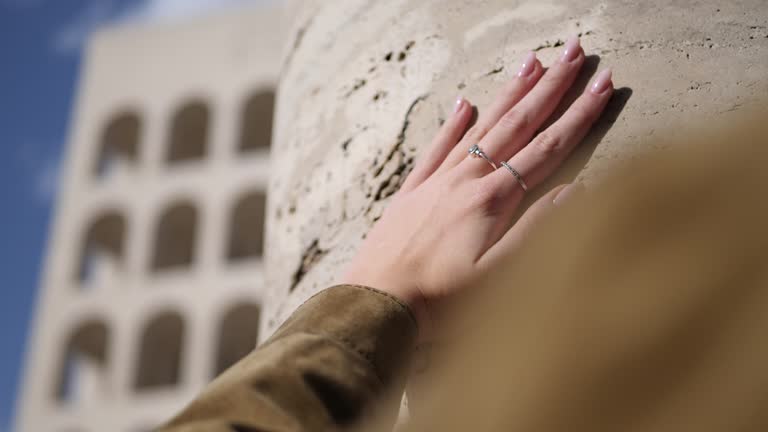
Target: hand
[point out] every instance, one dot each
(451, 218)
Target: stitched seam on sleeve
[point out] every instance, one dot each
(373, 290)
(348, 346)
(399, 302)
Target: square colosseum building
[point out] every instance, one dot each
(153, 282)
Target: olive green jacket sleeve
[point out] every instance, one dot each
(337, 361)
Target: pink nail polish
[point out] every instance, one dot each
(572, 49)
(459, 104)
(602, 82)
(528, 65)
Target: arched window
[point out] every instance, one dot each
(189, 133)
(160, 352)
(101, 256)
(238, 335)
(83, 373)
(246, 229)
(256, 121)
(119, 148)
(175, 237)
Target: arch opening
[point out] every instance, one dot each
(256, 121)
(238, 335)
(246, 228)
(102, 254)
(160, 352)
(189, 133)
(119, 149)
(175, 238)
(83, 375)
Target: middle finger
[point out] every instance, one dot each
(518, 125)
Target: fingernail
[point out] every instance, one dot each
(568, 193)
(528, 65)
(459, 105)
(602, 82)
(572, 48)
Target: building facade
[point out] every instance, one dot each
(153, 282)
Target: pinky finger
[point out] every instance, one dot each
(517, 235)
(449, 135)
(536, 161)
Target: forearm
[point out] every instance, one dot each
(340, 359)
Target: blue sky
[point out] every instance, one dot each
(40, 44)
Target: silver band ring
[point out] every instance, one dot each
(517, 175)
(475, 151)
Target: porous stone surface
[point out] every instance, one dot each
(366, 83)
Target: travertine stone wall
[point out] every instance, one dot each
(366, 83)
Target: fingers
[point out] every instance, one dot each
(516, 126)
(529, 74)
(515, 237)
(536, 161)
(450, 134)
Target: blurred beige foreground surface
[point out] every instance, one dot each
(640, 306)
(365, 84)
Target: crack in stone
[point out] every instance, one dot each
(300, 33)
(548, 44)
(311, 256)
(389, 185)
(345, 144)
(559, 42)
(494, 71)
(400, 136)
(360, 83)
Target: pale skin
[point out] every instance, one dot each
(452, 218)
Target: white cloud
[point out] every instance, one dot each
(163, 10)
(41, 167)
(99, 13)
(72, 37)
(47, 180)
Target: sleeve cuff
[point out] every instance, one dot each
(375, 324)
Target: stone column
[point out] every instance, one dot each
(366, 83)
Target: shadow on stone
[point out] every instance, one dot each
(588, 70)
(583, 153)
(579, 158)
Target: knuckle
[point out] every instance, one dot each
(485, 199)
(548, 143)
(475, 134)
(511, 90)
(590, 112)
(554, 78)
(516, 120)
(558, 75)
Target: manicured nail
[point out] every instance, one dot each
(572, 49)
(602, 82)
(528, 65)
(459, 105)
(568, 193)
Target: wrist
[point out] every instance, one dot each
(408, 295)
(415, 301)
